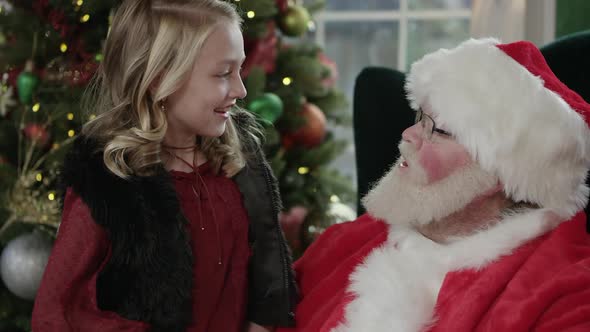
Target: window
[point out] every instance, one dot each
(391, 33)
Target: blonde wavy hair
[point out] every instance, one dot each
(148, 55)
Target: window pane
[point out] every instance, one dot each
(439, 4)
(425, 36)
(353, 46)
(361, 4)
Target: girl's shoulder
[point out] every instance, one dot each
(83, 151)
(82, 162)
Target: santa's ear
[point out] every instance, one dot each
(494, 190)
(499, 186)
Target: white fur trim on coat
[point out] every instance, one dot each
(509, 122)
(396, 287)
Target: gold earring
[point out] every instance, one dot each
(162, 105)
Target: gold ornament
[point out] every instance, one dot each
(295, 21)
(29, 203)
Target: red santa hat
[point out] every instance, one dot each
(516, 119)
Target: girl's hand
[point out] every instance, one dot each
(253, 327)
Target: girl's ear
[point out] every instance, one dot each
(155, 85)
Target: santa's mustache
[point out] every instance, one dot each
(409, 158)
(407, 153)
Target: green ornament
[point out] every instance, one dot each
(26, 83)
(268, 106)
(295, 21)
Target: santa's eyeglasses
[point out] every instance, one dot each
(429, 126)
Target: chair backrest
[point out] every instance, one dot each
(569, 58)
(380, 113)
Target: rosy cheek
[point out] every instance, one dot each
(439, 164)
(432, 166)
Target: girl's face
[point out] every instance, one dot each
(201, 106)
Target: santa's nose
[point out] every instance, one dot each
(413, 135)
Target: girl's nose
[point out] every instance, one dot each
(239, 90)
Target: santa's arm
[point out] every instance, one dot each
(568, 307)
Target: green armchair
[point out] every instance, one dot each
(380, 115)
(569, 58)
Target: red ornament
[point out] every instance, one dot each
(261, 52)
(40, 7)
(37, 133)
(13, 74)
(57, 19)
(291, 222)
(77, 46)
(287, 141)
(312, 132)
(282, 5)
(330, 80)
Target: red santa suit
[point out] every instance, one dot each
(519, 275)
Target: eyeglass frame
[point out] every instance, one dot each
(420, 116)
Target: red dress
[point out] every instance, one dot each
(66, 300)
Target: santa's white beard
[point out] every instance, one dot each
(406, 199)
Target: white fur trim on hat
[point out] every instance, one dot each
(510, 123)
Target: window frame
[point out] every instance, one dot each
(402, 16)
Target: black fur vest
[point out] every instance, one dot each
(149, 275)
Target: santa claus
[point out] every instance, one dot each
(479, 226)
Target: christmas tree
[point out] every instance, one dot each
(50, 49)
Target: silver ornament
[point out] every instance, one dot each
(22, 264)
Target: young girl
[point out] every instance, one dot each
(170, 213)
